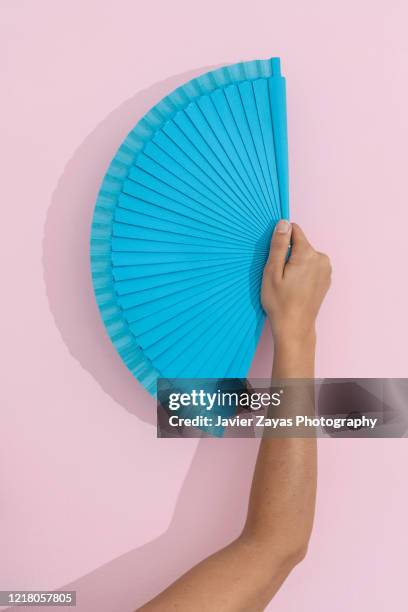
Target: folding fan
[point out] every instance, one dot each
(183, 221)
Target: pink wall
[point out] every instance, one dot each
(89, 497)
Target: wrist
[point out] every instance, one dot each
(294, 354)
(294, 340)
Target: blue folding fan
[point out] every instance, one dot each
(183, 221)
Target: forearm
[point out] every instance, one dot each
(234, 579)
(282, 501)
(245, 575)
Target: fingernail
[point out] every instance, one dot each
(282, 227)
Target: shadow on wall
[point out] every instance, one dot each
(66, 250)
(209, 513)
(212, 502)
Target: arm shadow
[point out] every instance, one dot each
(209, 513)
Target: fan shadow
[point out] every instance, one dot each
(66, 250)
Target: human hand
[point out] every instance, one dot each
(292, 291)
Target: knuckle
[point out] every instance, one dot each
(268, 269)
(279, 242)
(309, 253)
(325, 262)
(270, 273)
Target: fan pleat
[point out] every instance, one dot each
(129, 259)
(162, 273)
(280, 131)
(181, 349)
(262, 98)
(234, 100)
(245, 352)
(203, 172)
(161, 310)
(127, 239)
(127, 225)
(180, 214)
(183, 221)
(251, 111)
(212, 359)
(152, 241)
(154, 325)
(188, 192)
(165, 197)
(208, 109)
(223, 108)
(167, 281)
(151, 293)
(202, 135)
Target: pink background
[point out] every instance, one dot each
(89, 497)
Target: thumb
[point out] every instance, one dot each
(279, 248)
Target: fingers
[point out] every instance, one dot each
(300, 243)
(302, 251)
(286, 234)
(279, 248)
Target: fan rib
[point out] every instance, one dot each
(183, 221)
(220, 331)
